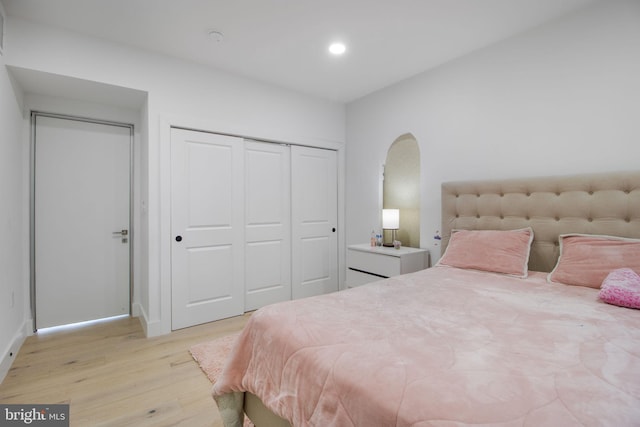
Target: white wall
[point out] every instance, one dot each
(561, 99)
(14, 295)
(179, 93)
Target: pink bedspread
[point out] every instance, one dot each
(444, 347)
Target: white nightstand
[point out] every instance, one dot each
(367, 263)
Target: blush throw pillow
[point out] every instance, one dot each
(497, 251)
(585, 260)
(621, 287)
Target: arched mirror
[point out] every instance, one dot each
(401, 187)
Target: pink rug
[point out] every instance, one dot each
(212, 355)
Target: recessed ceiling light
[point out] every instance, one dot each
(216, 36)
(337, 48)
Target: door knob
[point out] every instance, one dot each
(123, 234)
(178, 238)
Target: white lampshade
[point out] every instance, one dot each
(391, 219)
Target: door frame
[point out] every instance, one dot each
(32, 200)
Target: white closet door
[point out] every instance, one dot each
(268, 224)
(207, 281)
(82, 192)
(315, 217)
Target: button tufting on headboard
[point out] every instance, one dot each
(590, 204)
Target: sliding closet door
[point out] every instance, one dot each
(207, 255)
(252, 224)
(315, 216)
(268, 224)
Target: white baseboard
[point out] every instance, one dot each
(11, 351)
(151, 329)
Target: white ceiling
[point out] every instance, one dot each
(285, 42)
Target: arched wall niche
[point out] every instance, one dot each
(401, 187)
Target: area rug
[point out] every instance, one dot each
(212, 355)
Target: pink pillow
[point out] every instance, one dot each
(621, 287)
(585, 260)
(497, 251)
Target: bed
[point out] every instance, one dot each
(470, 341)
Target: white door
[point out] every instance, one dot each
(315, 216)
(82, 194)
(268, 224)
(207, 277)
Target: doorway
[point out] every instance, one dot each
(81, 236)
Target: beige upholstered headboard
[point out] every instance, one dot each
(591, 204)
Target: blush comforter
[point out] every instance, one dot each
(443, 347)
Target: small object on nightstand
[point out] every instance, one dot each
(396, 244)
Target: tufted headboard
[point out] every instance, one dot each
(590, 204)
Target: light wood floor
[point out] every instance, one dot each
(111, 375)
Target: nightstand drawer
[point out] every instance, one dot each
(368, 264)
(358, 278)
(374, 263)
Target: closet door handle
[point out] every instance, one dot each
(178, 238)
(333, 229)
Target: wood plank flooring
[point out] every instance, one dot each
(111, 375)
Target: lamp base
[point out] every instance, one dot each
(393, 238)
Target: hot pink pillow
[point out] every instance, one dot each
(621, 287)
(497, 251)
(585, 260)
